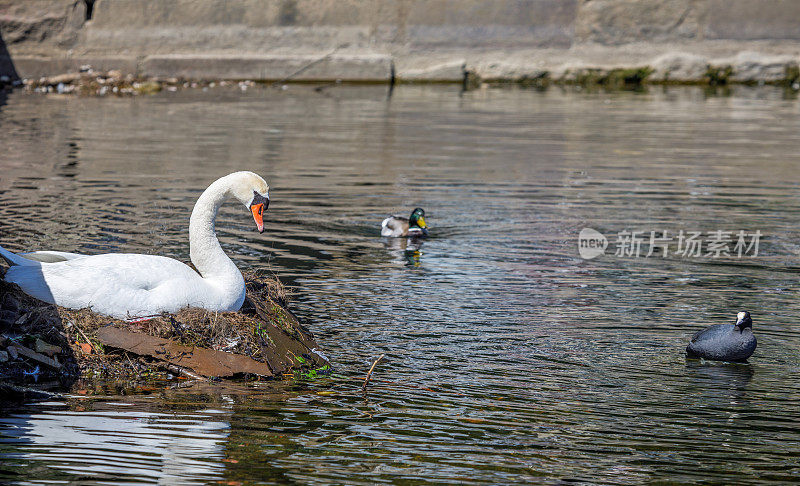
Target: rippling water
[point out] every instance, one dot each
(509, 358)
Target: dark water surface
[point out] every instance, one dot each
(509, 358)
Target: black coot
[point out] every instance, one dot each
(723, 342)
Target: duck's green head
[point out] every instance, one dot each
(743, 320)
(417, 220)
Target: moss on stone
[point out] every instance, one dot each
(791, 74)
(539, 82)
(471, 81)
(718, 75)
(628, 77)
(622, 78)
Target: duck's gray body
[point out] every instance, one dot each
(396, 226)
(722, 342)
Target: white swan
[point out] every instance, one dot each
(126, 285)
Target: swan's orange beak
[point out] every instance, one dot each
(258, 215)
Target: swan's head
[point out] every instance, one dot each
(743, 320)
(253, 192)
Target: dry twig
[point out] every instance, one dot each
(369, 375)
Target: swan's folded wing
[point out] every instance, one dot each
(49, 256)
(102, 282)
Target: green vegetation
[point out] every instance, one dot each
(718, 75)
(791, 74)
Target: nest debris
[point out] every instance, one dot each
(49, 344)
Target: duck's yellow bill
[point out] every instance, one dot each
(421, 222)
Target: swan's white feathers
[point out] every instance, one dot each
(244, 184)
(117, 281)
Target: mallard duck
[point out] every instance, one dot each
(723, 342)
(397, 226)
(126, 285)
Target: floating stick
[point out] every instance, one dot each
(369, 375)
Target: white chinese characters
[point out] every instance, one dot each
(684, 244)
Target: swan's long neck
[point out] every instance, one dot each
(204, 249)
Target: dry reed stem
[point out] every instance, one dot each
(369, 375)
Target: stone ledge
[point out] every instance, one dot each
(353, 68)
(429, 69)
(708, 62)
(37, 67)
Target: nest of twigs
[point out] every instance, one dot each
(264, 330)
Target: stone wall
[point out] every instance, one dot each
(407, 40)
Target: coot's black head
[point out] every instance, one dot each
(743, 320)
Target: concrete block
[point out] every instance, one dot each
(54, 23)
(750, 19)
(622, 21)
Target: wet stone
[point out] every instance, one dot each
(46, 348)
(31, 354)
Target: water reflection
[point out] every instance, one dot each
(405, 250)
(114, 441)
(722, 382)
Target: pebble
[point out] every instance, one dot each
(3, 356)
